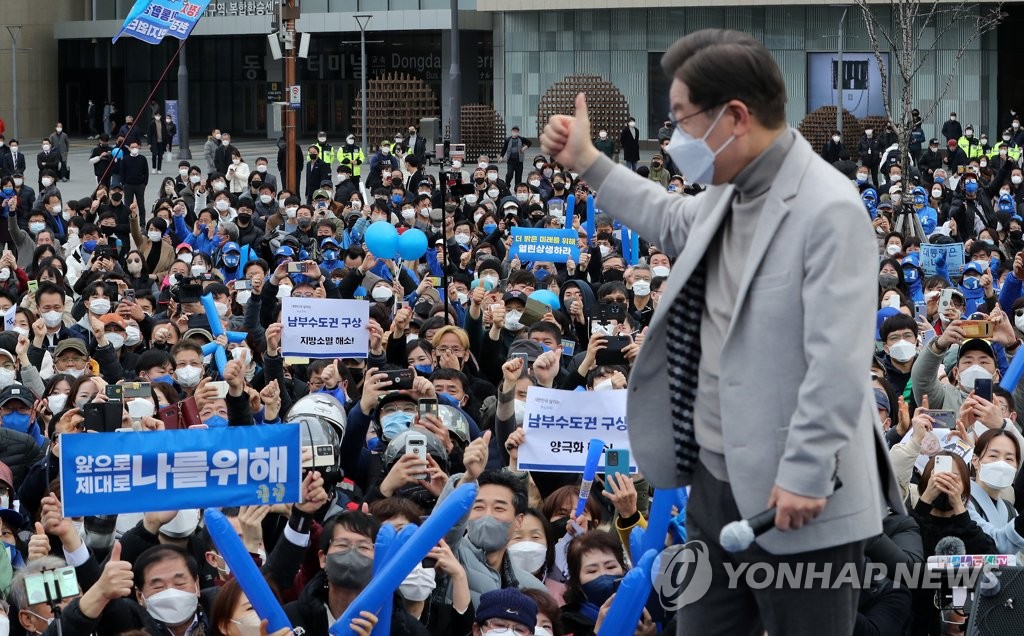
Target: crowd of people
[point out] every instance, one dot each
(103, 289)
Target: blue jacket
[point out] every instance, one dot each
(203, 243)
(1010, 292)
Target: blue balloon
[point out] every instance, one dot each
(547, 297)
(382, 239)
(412, 244)
(117, 153)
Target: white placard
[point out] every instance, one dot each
(325, 328)
(560, 424)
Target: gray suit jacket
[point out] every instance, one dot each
(795, 393)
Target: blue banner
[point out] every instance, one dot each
(538, 244)
(153, 20)
(147, 471)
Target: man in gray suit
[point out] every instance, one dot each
(756, 363)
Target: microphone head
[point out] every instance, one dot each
(950, 546)
(736, 536)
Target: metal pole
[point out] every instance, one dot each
(184, 152)
(455, 78)
(363, 21)
(839, 75)
(14, 32)
(289, 112)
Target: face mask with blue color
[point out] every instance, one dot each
(216, 421)
(231, 260)
(424, 369)
(971, 282)
(330, 255)
(940, 180)
(919, 200)
(17, 421)
(164, 378)
(396, 198)
(490, 227)
(971, 187)
(600, 589)
(394, 424)
(89, 246)
(8, 191)
(541, 275)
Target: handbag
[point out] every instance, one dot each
(180, 415)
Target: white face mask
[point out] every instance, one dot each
(248, 625)
(409, 214)
(972, 374)
(535, 183)
(222, 309)
(605, 251)
(185, 257)
(21, 331)
(937, 193)
(694, 157)
(512, 320)
(154, 235)
(541, 631)
(471, 199)
(462, 238)
(641, 287)
(47, 182)
(218, 186)
(133, 336)
(116, 340)
(56, 402)
(284, 291)
(7, 377)
(18, 181)
(520, 407)
(893, 249)
(1016, 179)
(243, 297)
(222, 205)
(418, 585)
(382, 294)
(188, 376)
(5, 274)
(198, 270)
(138, 409)
(52, 318)
(660, 271)
(135, 152)
(183, 172)
(462, 297)
(997, 475)
(493, 193)
(528, 555)
(99, 306)
(492, 279)
(291, 212)
(172, 606)
(902, 351)
(195, 178)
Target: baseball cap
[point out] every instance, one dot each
(508, 604)
(881, 400)
(321, 194)
(972, 344)
(529, 347)
(114, 319)
(16, 392)
(70, 343)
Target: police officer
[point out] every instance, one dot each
(352, 155)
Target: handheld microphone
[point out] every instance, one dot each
(737, 536)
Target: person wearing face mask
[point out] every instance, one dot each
(899, 342)
(732, 135)
(48, 161)
(346, 560)
(505, 612)
(513, 152)
(12, 162)
(913, 276)
(994, 467)
(975, 359)
(834, 150)
(17, 402)
(381, 162)
(167, 587)
(223, 154)
(316, 172)
(658, 172)
(157, 253)
(629, 141)
(596, 566)
(976, 286)
(159, 139)
(869, 148)
(134, 170)
(237, 174)
(352, 155)
(971, 207)
(927, 215)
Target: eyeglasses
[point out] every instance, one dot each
(678, 123)
(345, 545)
(458, 351)
(501, 627)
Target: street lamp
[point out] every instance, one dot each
(362, 21)
(14, 32)
(839, 73)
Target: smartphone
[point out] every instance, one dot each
(51, 585)
(428, 406)
(983, 388)
(945, 299)
(137, 389)
(416, 444)
(33, 286)
(400, 379)
(128, 295)
(611, 311)
(525, 357)
(944, 419)
(296, 268)
(920, 311)
(435, 281)
(243, 284)
(102, 417)
(222, 389)
(568, 348)
(612, 353)
(943, 464)
(616, 461)
(976, 328)
(114, 392)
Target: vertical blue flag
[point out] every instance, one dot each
(152, 20)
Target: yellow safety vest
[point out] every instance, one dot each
(351, 158)
(971, 147)
(1013, 151)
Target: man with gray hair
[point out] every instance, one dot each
(769, 407)
(78, 613)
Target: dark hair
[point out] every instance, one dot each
(958, 465)
(353, 521)
(718, 65)
(384, 510)
(546, 327)
(442, 373)
(159, 553)
(569, 494)
(985, 439)
(898, 322)
(522, 277)
(50, 288)
(547, 606)
(596, 541)
(501, 478)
